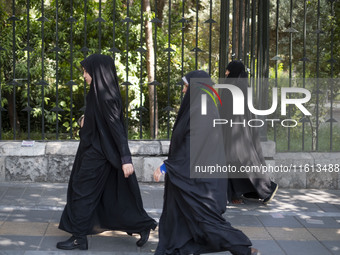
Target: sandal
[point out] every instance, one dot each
(274, 187)
(255, 252)
(237, 201)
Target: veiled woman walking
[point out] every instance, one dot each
(191, 220)
(103, 193)
(242, 143)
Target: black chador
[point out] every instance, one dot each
(192, 221)
(242, 142)
(99, 197)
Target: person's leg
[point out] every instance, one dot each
(85, 188)
(83, 198)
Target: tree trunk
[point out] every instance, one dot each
(239, 31)
(160, 8)
(150, 64)
(10, 109)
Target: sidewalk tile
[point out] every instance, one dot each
(157, 201)
(303, 248)
(53, 230)
(147, 200)
(318, 222)
(53, 197)
(32, 195)
(123, 242)
(3, 190)
(326, 207)
(19, 242)
(333, 246)
(243, 220)
(326, 234)
(284, 207)
(12, 195)
(23, 228)
(274, 221)
(97, 245)
(49, 243)
(11, 252)
(309, 206)
(157, 198)
(267, 247)
(255, 233)
(30, 215)
(4, 216)
(56, 216)
(286, 233)
(109, 243)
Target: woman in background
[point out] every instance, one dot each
(242, 143)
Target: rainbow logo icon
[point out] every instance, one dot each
(210, 94)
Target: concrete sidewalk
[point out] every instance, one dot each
(297, 222)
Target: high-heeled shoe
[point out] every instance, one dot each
(144, 237)
(74, 242)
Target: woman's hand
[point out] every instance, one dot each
(81, 121)
(127, 169)
(157, 174)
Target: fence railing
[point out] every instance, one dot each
(42, 93)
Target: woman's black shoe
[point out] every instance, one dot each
(144, 237)
(74, 242)
(274, 187)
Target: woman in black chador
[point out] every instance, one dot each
(242, 143)
(103, 193)
(191, 220)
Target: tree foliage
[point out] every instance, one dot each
(128, 37)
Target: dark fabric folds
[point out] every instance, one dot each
(192, 221)
(99, 197)
(242, 144)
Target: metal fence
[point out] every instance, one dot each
(273, 38)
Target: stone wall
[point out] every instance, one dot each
(52, 162)
(309, 170)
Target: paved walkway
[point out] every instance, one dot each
(297, 222)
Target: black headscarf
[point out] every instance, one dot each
(236, 69)
(189, 96)
(105, 97)
(102, 70)
(192, 131)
